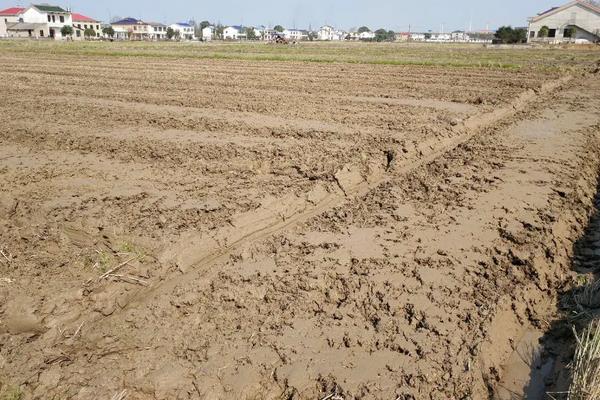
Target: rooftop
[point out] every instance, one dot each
(11, 11)
(49, 8)
(82, 18)
(127, 21)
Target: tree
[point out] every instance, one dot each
(89, 33)
(312, 36)
(381, 35)
(279, 28)
(363, 29)
(219, 29)
(519, 35)
(108, 31)
(66, 30)
(571, 32)
(544, 31)
(170, 33)
(506, 34)
(251, 34)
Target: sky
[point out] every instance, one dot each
(421, 15)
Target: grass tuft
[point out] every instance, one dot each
(12, 393)
(586, 365)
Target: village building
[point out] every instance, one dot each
(329, 33)
(368, 35)
(296, 35)
(208, 33)
(186, 31)
(82, 22)
(132, 29)
(158, 31)
(40, 21)
(577, 21)
(236, 32)
(8, 17)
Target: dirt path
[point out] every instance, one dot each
(225, 252)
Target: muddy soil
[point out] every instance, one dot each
(242, 230)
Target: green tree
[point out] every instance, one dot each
(89, 33)
(519, 35)
(251, 34)
(312, 36)
(279, 28)
(170, 33)
(363, 29)
(544, 31)
(204, 24)
(381, 35)
(109, 31)
(571, 32)
(506, 34)
(66, 30)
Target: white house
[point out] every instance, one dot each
(329, 33)
(186, 31)
(236, 32)
(158, 31)
(366, 35)
(295, 34)
(41, 20)
(418, 37)
(132, 29)
(208, 33)
(8, 17)
(82, 22)
(577, 17)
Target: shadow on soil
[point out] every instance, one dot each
(550, 375)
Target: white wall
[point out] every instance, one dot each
(230, 33)
(575, 15)
(7, 20)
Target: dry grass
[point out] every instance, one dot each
(586, 364)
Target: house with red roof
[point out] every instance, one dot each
(39, 21)
(576, 21)
(82, 22)
(9, 16)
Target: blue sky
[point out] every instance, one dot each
(392, 14)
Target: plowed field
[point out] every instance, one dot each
(206, 228)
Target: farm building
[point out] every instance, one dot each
(575, 21)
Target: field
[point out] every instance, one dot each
(246, 221)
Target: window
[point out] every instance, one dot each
(49, 18)
(531, 34)
(552, 33)
(78, 33)
(85, 26)
(54, 18)
(42, 33)
(97, 27)
(62, 19)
